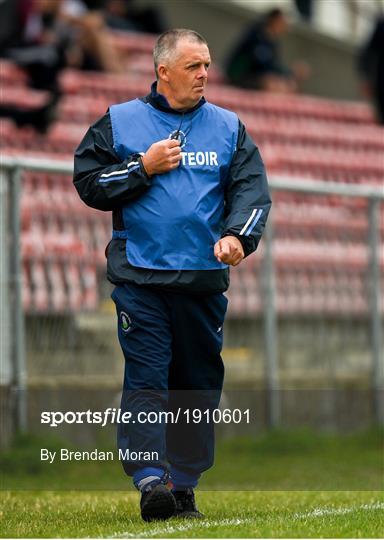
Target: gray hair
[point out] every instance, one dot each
(166, 44)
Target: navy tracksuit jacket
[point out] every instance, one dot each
(169, 286)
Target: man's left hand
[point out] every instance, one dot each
(229, 250)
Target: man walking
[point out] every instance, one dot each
(188, 194)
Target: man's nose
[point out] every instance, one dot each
(203, 73)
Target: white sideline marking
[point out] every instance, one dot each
(320, 512)
(170, 529)
(206, 524)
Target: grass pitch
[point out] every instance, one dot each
(235, 514)
(299, 484)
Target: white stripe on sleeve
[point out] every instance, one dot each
(124, 171)
(249, 221)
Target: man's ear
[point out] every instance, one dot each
(162, 72)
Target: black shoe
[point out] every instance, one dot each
(157, 502)
(186, 505)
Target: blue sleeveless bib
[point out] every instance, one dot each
(176, 223)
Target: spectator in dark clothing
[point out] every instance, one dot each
(256, 60)
(45, 36)
(39, 118)
(125, 15)
(52, 34)
(31, 38)
(35, 40)
(305, 9)
(371, 68)
(117, 16)
(10, 16)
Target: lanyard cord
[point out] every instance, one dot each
(177, 132)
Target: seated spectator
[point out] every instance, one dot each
(256, 61)
(40, 118)
(32, 38)
(371, 68)
(48, 35)
(117, 16)
(94, 48)
(35, 40)
(45, 36)
(125, 15)
(305, 9)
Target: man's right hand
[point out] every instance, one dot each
(162, 156)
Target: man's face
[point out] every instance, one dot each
(186, 74)
(280, 25)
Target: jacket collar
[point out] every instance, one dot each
(160, 102)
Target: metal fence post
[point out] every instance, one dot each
(5, 360)
(271, 329)
(6, 420)
(17, 315)
(374, 298)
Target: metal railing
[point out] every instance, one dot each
(11, 300)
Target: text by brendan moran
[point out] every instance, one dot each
(95, 455)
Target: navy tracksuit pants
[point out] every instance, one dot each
(172, 347)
